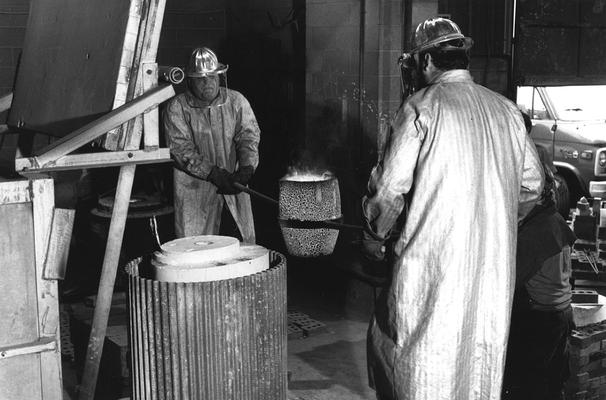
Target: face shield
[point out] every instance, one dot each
(410, 74)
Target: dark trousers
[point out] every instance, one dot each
(228, 225)
(537, 365)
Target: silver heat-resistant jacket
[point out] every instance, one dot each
(226, 135)
(461, 155)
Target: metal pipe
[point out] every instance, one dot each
(252, 192)
(174, 75)
(296, 224)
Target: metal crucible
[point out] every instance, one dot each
(309, 198)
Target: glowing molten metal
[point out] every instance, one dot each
(307, 176)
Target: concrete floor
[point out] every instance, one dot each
(330, 365)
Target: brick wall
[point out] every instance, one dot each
(488, 23)
(13, 19)
(332, 137)
(347, 107)
(188, 24)
(385, 31)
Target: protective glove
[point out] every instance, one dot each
(244, 174)
(223, 180)
(372, 248)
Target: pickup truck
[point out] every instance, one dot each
(570, 123)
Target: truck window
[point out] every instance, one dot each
(525, 99)
(531, 103)
(578, 103)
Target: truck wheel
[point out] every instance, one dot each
(562, 196)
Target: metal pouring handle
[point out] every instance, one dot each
(324, 224)
(252, 192)
(296, 224)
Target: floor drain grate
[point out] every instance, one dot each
(301, 325)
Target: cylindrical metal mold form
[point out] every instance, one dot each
(309, 200)
(220, 340)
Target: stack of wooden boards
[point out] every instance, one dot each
(80, 60)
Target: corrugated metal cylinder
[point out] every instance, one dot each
(221, 340)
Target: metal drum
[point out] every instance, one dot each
(309, 199)
(219, 340)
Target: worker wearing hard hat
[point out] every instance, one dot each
(214, 138)
(459, 157)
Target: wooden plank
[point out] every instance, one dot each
(115, 140)
(148, 56)
(153, 32)
(132, 140)
(109, 121)
(147, 47)
(19, 321)
(147, 52)
(27, 166)
(125, 76)
(68, 73)
(39, 346)
(128, 52)
(151, 131)
(20, 377)
(106, 284)
(5, 102)
(24, 225)
(55, 262)
(15, 192)
(43, 202)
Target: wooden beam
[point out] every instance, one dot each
(5, 102)
(39, 346)
(106, 284)
(132, 141)
(43, 202)
(101, 125)
(147, 48)
(126, 73)
(26, 166)
(55, 262)
(151, 135)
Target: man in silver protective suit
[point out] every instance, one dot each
(458, 157)
(214, 138)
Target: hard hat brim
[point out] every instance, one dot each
(221, 69)
(467, 43)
